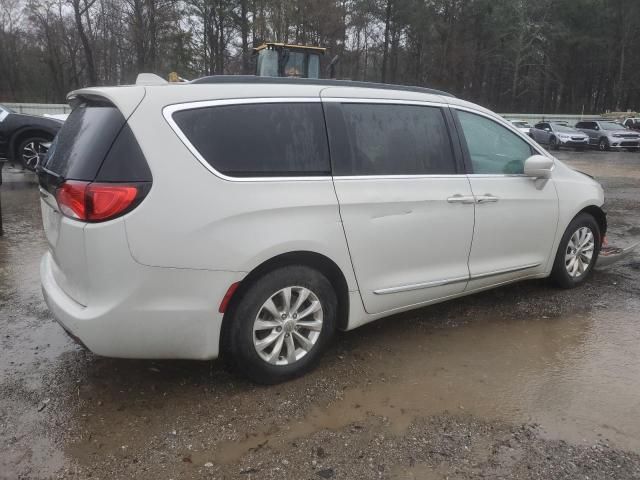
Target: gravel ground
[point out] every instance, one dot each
(525, 381)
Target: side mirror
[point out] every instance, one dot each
(547, 129)
(538, 166)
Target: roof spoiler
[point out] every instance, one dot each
(149, 79)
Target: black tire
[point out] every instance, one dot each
(554, 143)
(559, 274)
(240, 337)
(603, 145)
(28, 148)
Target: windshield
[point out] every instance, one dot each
(563, 128)
(522, 124)
(314, 66)
(268, 63)
(610, 126)
(295, 65)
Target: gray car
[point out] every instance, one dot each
(608, 135)
(558, 135)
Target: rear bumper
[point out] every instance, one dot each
(154, 312)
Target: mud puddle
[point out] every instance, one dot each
(563, 374)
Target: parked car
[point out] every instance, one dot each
(521, 125)
(609, 135)
(632, 123)
(24, 138)
(557, 135)
(253, 217)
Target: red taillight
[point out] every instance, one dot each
(106, 201)
(95, 202)
(71, 199)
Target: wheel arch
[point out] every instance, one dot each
(320, 262)
(600, 216)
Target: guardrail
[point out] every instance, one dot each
(39, 108)
(533, 118)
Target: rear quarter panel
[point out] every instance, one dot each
(194, 219)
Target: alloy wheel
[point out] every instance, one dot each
(603, 145)
(31, 154)
(288, 325)
(579, 253)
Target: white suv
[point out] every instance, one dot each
(254, 217)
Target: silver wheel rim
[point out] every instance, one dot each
(579, 252)
(287, 326)
(31, 154)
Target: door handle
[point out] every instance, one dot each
(466, 199)
(488, 198)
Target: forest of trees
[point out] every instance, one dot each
(541, 56)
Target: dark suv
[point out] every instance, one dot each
(24, 138)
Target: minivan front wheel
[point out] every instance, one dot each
(282, 323)
(578, 252)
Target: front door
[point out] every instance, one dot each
(406, 207)
(516, 216)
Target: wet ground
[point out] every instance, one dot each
(525, 381)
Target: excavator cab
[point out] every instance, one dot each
(284, 60)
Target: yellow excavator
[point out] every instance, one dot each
(285, 60)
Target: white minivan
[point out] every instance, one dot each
(253, 217)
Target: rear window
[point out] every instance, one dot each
(84, 140)
(267, 139)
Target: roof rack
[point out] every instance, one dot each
(312, 81)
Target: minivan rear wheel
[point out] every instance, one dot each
(281, 324)
(578, 252)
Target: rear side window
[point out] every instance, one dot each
(382, 139)
(84, 140)
(266, 139)
(95, 144)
